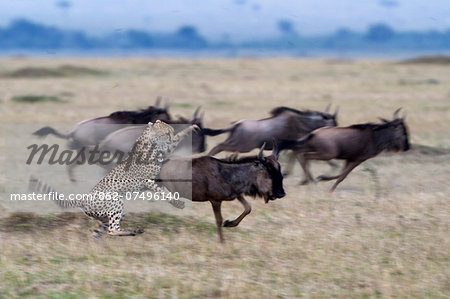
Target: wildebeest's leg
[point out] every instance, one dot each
(332, 177)
(216, 205)
(74, 163)
(70, 172)
(316, 156)
(290, 163)
(304, 163)
(82, 155)
(247, 210)
(229, 145)
(333, 164)
(328, 178)
(103, 226)
(217, 149)
(349, 166)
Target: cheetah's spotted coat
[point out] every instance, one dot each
(135, 173)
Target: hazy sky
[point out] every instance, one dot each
(237, 18)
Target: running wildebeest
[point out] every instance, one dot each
(216, 180)
(354, 144)
(91, 132)
(285, 123)
(94, 130)
(120, 142)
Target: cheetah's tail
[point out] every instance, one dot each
(38, 186)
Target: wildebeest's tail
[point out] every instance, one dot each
(42, 132)
(40, 187)
(212, 132)
(287, 144)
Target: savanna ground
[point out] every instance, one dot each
(383, 233)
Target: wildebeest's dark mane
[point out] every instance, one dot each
(125, 114)
(233, 159)
(278, 110)
(253, 192)
(372, 126)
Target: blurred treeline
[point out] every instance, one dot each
(24, 34)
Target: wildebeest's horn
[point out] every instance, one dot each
(275, 152)
(158, 101)
(327, 108)
(383, 119)
(336, 112)
(396, 112)
(196, 112)
(260, 154)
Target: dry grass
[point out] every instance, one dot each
(372, 238)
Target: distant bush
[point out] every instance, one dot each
(434, 59)
(70, 70)
(62, 71)
(36, 99)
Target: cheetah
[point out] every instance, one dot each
(135, 173)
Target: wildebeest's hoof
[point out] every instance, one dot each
(98, 238)
(138, 231)
(321, 178)
(304, 182)
(227, 223)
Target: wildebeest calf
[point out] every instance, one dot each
(217, 180)
(354, 144)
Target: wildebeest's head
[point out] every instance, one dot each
(269, 179)
(400, 140)
(328, 118)
(155, 112)
(198, 136)
(400, 132)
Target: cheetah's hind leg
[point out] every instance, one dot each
(114, 227)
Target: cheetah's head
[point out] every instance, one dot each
(160, 133)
